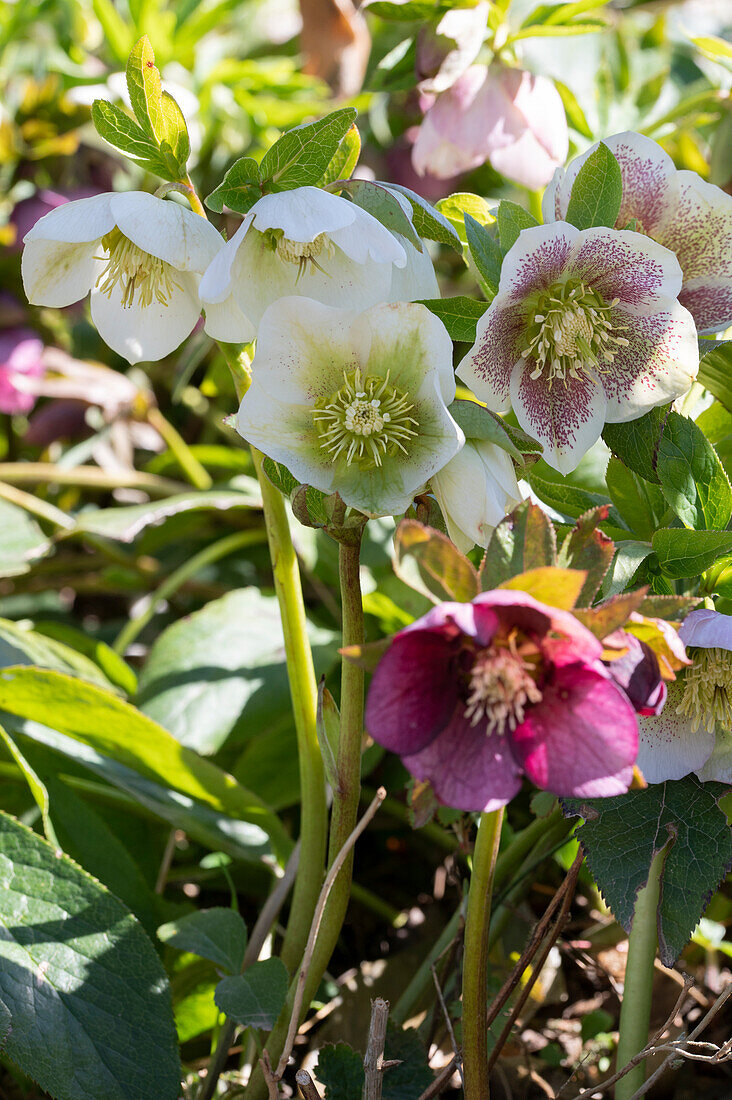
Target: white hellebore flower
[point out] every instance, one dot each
(475, 490)
(585, 330)
(354, 403)
(678, 209)
(140, 256)
(693, 733)
(309, 242)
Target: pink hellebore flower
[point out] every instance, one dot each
(474, 696)
(20, 356)
(510, 117)
(585, 330)
(447, 49)
(680, 210)
(694, 731)
(637, 672)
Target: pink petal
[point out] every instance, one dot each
(563, 638)
(566, 418)
(668, 748)
(648, 180)
(582, 738)
(487, 366)
(627, 266)
(468, 769)
(700, 233)
(659, 364)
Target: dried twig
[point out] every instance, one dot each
(441, 1081)
(306, 1085)
(373, 1063)
(448, 1023)
(273, 1092)
(330, 878)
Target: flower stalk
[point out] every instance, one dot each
(635, 1011)
(475, 957)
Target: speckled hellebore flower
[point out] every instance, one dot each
(309, 242)
(678, 209)
(473, 696)
(585, 330)
(354, 403)
(693, 733)
(140, 256)
(509, 117)
(475, 490)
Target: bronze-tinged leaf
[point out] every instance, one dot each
(612, 614)
(429, 562)
(550, 585)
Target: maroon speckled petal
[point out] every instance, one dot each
(582, 738)
(499, 340)
(627, 266)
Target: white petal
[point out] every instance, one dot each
(225, 321)
(667, 747)
(217, 279)
(566, 420)
(659, 364)
(718, 767)
(58, 274)
(77, 222)
(500, 338)
(707, 629)
(146, 333)
(367, 239)
(417, 279)
(626, 265)
(303, 213)
(167, 230)
(550, 203)
(409, 341)
(475, 490)
(538, 258)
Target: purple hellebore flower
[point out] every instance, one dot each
(694, 732)
(20, 354)
(475, 695)
(678, 209)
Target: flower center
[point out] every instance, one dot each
(136, 271)
(501, 687)
(571, 333)
(303, 253)
(708, 689)
(366, 419)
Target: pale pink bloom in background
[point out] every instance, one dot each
(509, 117)
(20, 358)
(446, 50)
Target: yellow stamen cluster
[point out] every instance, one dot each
(707, 698)
(501, 687)
(571, 333)
(303, 253)
(365, 420)
(136, 271)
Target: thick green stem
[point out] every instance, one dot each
(635, 1012)
(475, 957)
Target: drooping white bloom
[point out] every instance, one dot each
(354, 403)
(678, 209)
(140, 256)
(310, 243)
(693, 733)
(585, 330)
(475, 490)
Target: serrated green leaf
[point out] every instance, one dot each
(429, 562)
(459, 315)
(512, 219)
(378, 200)
(124, 134)
(636, 443)
(217, 934)
(157, 112)
(570, 499)
(344, 159)
(89, 1000)
(693, 479)
(280, 477)
(428, 222)
(256, 997)
(640, 503)
(683, 553)
(118, 730)
(523, 541)
(340, 1069)
(35, 784)
(715, 372)
(621, 835)
(239, 189)
(477, 422)
(301, 156)
(597, 191)
(486, 253)
(412, 1076)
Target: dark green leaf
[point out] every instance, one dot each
(570, 499)
(340, 1069)
(428, 222)
(459, 315)
(485, 252)
(621, 835)
(477, 422)
(280, 477)
(217, 934)
(715, 371)
(693, 479)
(640, 503)
(408, 1080)
(636, 443)
(512, 219)
(256, 997)
(597, 191)
(683, 553)
(390, 209)
(89, 1000)
(629, 557)
(239, 189)
(301, 156)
